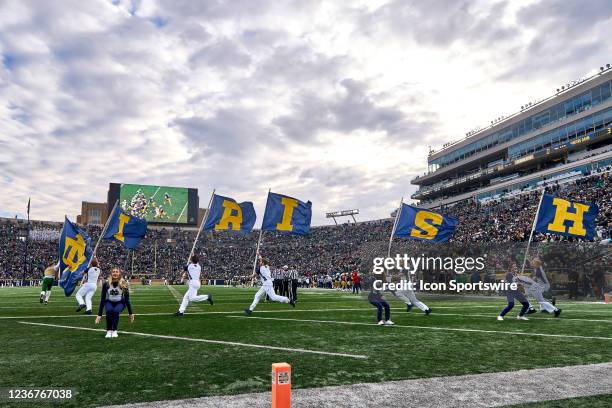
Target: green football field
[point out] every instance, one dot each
(175, 209)
(330, 338)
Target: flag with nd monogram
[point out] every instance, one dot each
(74, 253)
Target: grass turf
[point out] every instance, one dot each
(147, 369)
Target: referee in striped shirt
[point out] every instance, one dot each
(292, 274)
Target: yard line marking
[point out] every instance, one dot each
(155, 193)
(182, 211)
(491, 316)
(228, 343)
(190, 313)
(179, 298)
(426, 327)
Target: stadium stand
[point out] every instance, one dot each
(498, 227)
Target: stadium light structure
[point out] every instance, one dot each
(342, 213)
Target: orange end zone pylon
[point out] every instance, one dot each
(281, 385)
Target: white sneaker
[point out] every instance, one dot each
(389, 323)
(521, 318)
(109, 334)
(500, 318)
(382, 322)
(114, 334)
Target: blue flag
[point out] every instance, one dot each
(287, 214)
(424, 225)
(74, 253)
(568, 218)
(225, 214)
(126, 228)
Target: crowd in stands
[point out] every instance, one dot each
(499, 228)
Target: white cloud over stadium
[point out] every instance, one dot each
(335, 102)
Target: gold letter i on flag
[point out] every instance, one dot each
(289, 205)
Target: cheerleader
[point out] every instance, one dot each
(115, 297)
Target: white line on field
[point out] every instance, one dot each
(179, 298)
(491, 316)
(155, 193)
(229, 343)
(191, 313)
(362, 309)
(181, 214)
(426, 327)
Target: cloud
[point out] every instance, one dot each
(350, 108)
(230, 132)
(328, 101)
(439, 23)
(571, 38)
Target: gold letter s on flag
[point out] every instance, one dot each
(429, 230)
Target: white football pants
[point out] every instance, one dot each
(192, 296)
(536, 291)
(85, 293)
(408, 297)
(267, 289)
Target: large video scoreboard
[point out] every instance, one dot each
(157, 204)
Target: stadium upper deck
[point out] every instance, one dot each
(566, 134)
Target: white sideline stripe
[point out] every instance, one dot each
(427, 328)
(230, 343)
(364, 309)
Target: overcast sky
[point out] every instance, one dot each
(334, 102)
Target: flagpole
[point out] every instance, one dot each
(535, 220)
(103, 232)
(201, 225)
(25, 258)
(397, 214)
(257, 250)
(260, 235)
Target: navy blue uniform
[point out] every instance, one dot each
(114, 300)
(514, 294)
(375, 298)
